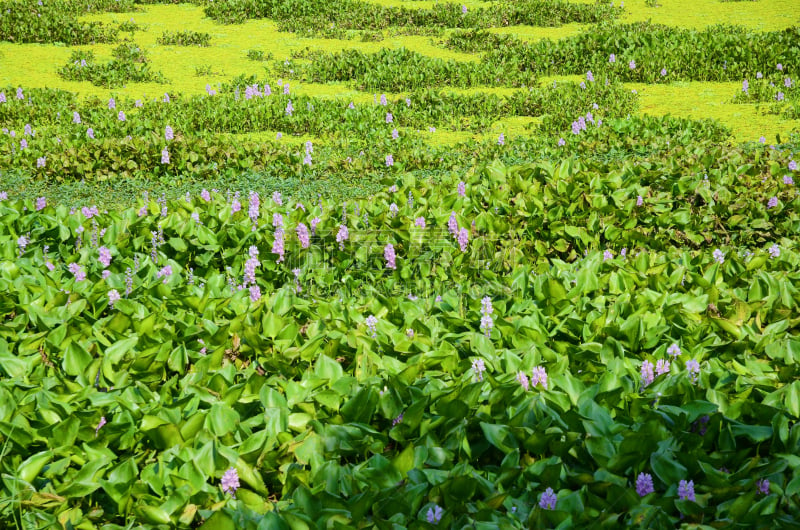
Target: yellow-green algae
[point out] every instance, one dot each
(34, 65)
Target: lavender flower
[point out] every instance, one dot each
(314, 222)
(772, 203)
(277, 245)
(398, 420)
(501, 140)
(787, 179)
(389, 117)
(255, 293)
(371, 322)
(548, 500)
(663, 72)
(607, 255)
(539, 377)
(562, 142)
(105, 256)
(41, 161)
(644, 484)
(663, 366)
(90, 134)
(102, 418)
(693, 367)
(389, 255)
(478, 367)
(463, 239)
(719, 256)
(745, 86)
(255, 203)
(302, 235)
(112, 104)
(523, 380)
(792, 165)
(612, 58)
(230, 482)
(289, 108)
(639, 200)
(389, 160)
(762, 486)
(168, 134)
(632, 65)
(647, 376)
(113, 296)
(434, 514)
(164, 156)
(674, 350)
(165, 273)
(774, 251)
(121, 116)
(41, 204)
(419, 222)
(77, 271)
(22, 242)
(277, 220)
(395, 134)
(342, 236)
(686, 490)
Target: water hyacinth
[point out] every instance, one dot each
(539, 377)
(102, 421)
(165, 273)
(302, 235)
(674, 350)
(478, 367)
(632, 65)
(389, 117)
(561, 142)
(104, 256)
(612, 58)
(76, 118)
(389, 256)
(719, 256)
(253, 211)
(501, 140)
(164, 156)
(41, 161)
(772, 203)
(463, 239)
(787, 179)
(395, 134)
(686, 490)
(90, 134)
(548, 500)
(434, 514)
(647, 375)
(41, 203)
(393, 210)
(419, 222)
(663, 366)
(278, 244)
(342, 236)
(113, 296)
(745, 86)
(289, 108)
(523, 381)
(277, 220)
(371, 322)
(112, 104)
(762, 486)
(77, 271)
(663, 72)
(168, 133)
(693, 367)
(607, 255)
(121, 116)
(792, 165)
(389, 161)
(255, 293)
(230, 482)
(644, 484)
(774, 251)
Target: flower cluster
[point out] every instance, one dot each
(486, 319)
(389, 255)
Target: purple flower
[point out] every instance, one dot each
(165, 273)
(792, 165)
(521, 377)
(745, 86)
(166, 98)
(410, 333)
(76, 118)
(138, 103)
(113, 296)
(686, 490)
(255, 293)
(342, 236)
(22, 242)
(561, 142)
(772, 203)
(452, 224)
(277, 245)
(582, 85)
(3, 195)
(462, 189)
(590, 76)
(719, 256)
(674, 350)
(693, 367)
(632, 65)
(395, 134)
(389, 160)
(463, 239)
(2, 97)
(539, 377)
(644, 484)
(663, 72)
(371, 322)
(383, 100)
(286, 89)
(787, 82)
(663, 366)
(277, 220)
(759, 75)
(607, 255)
(103, 418)
(478, 367)
(548, 499)
(168, 134)
(302, 235)
(463, 10)
(112, 104)
(250, 270)
(762, 486)
(639, 200)
(105, 256)
(787, 179)
(434, 514)
(389, 117)
(205, 195)
(419, 222)
(41, 161)
(393, 209)
(121, 116)
(398, 420)
(90, 133)
(77, 271)
(164, 156)
(289, 108)
(23, 144)
(41, 203)
(389, 255)
(647, 376)
(612, 58)
(779, 66)
(501, 140)
(774, 251)
(762, 140)
(230, 482)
